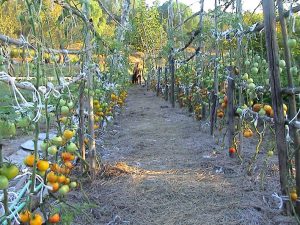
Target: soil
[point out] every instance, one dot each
(163, 167)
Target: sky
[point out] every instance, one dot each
(209, 4)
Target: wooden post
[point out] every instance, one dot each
(230, 109)
(272, 52)
(292, 101)
(158, 81)
(214, 93)
(166, 84)
(172, 71)
(92, 143)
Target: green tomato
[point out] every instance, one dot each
(254, 70)
(282, 63)
(239, 111)
(251, 86)
(73, 184)
(72, 147)
(70, 105)
(52, 150)
(57, 141)
(63, 190)
(270, 153)
(3, 182)
(245, 76)
(262, 112)
(255, 64)
(44, 146)
(292, 43)
(250, 80)
(64, 110)
(247, 62)
(257, 58)
(10, 171)
(62, 102)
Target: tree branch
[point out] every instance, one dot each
(102, 6)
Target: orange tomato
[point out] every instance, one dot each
(55, 186)
(69, 165)
(43, 165)
(224, 105)
(293, 196)
(67, 181)
(66, 156)
(36, 219)
(225, 99)
(68, 134)
(55, 167)
(248, 133)
(220, 114)
(257, 107)
(24, 216)
(268, 109)
(29, 160)
(55, 218)
(61, 178)
(51, 177)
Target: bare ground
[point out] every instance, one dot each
(169, 170)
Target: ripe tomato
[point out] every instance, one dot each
(55, 167)
(36, 219)
(10, 171)
(268, 109)
(248, 133)
(67, 181)
(55, 186)
(68, 134)
(293, 196)
(24, 216)
(66, 156)
(29, 160)
(51, 177)
(43, 165)
(55, 218)
(69, 165)
(232, 150)
(61, 178)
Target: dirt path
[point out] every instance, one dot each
(177, 173)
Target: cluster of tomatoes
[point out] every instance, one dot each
(59, 154)
(26, 217)
(104, 109)
(198, 112)
(8, 171)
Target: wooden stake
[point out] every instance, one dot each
(272, 52)
(292, 101)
